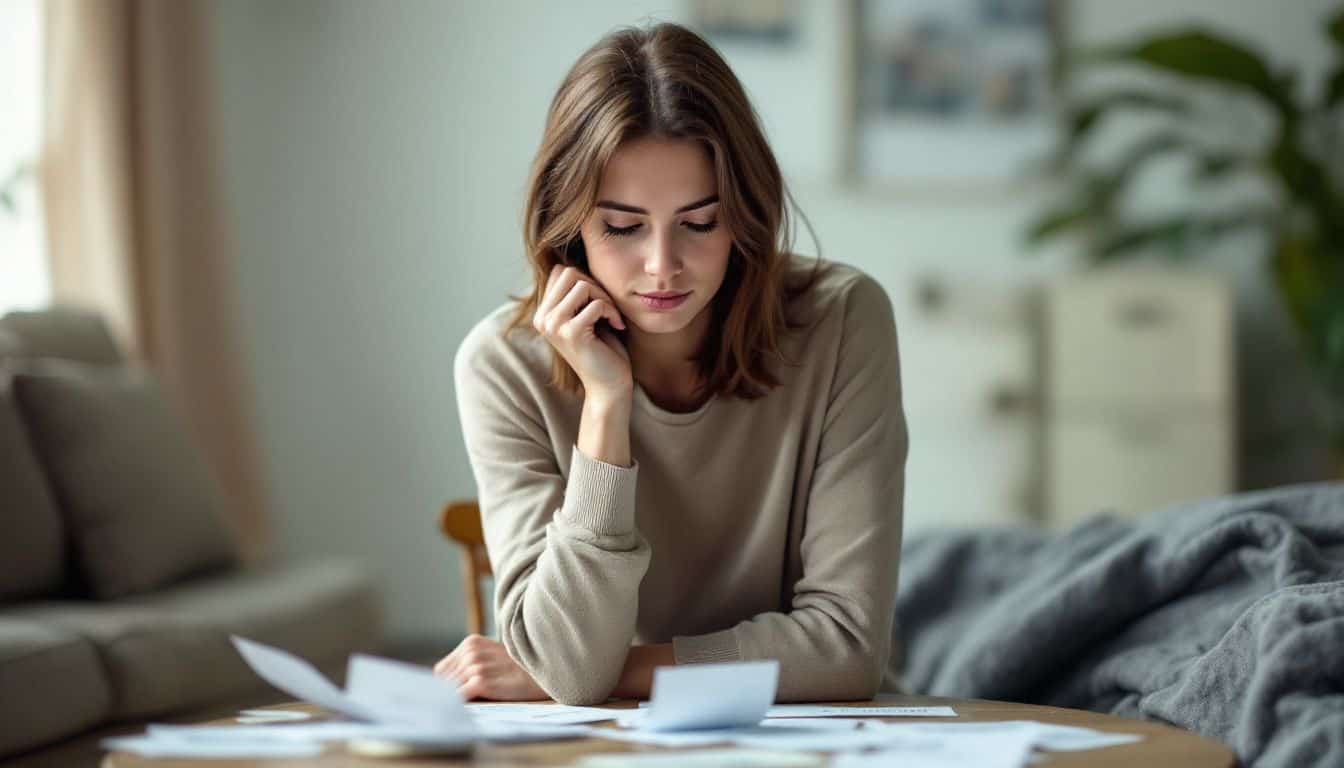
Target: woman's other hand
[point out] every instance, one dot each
(568, 316)
(482, 669)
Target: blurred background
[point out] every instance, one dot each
(1111, 233)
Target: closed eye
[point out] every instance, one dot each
(708, 226)
(620, 231)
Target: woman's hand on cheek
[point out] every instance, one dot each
(568, 316)
(482, 669)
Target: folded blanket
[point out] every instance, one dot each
(1224, 617)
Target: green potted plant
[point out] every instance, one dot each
(1302, 164)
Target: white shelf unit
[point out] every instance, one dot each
(1139, 400)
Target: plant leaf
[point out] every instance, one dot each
(1086, 116)
(1335, 28)
(1210, 166)
(1204, 56)
(1104, 189)
(1301, 281)
(1179, 231)
(1056, 222)
(1334, 89)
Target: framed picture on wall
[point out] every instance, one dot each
(954, 94)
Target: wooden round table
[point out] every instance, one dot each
(1161, 745)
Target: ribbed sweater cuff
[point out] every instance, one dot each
(703, 649)
(600, 496)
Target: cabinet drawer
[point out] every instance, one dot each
(1139, 337)
(1134, 463)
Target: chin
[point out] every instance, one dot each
(659, 323)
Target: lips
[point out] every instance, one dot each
(663, 299)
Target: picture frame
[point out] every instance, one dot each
(958, 96)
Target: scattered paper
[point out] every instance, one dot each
(1051, 736)
(706, 758)
(296, 677)
(512, 733)
(338, 730)
(814, 740)
(389, 701)
(811, 710)
(1005, 749)
(151, 747)
(272, 715)
(552, 714)
(818, 723)
(922, 744)
(742, 693)
(396, 692)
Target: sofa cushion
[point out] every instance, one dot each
(53, 685)
(10, 346)
(32, 548)
(141, 506)
(170, 650)
(62, 332)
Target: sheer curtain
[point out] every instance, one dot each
(134, 223)
(24, 281)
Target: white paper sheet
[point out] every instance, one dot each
(741, 694)
(813, 740)
(548, 714)
(705, 758)
(682, 738)
(921, 744)
(1004, 749)
(296, 677)
(150, 747)
(396, 692)
(813, 710)
(272, 715)
(818, 723)
(1059, 738)
(338, 730)
(513, 733)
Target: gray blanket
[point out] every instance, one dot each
(1224, 617)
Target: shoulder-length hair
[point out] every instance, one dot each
(667, 82)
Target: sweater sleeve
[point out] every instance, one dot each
(834, 641)
(566, 556)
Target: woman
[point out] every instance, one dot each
(688, 444)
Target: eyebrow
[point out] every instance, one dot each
(635, 209)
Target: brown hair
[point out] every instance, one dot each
(667, 82)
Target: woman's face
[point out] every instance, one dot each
(655, 241)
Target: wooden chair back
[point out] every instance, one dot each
(461, 523)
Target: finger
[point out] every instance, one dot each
(473, 689)
(560, 285)
(613, 341)
(447, 669)
(447, 661)
(586, 318)
(570, 305)
(613, 315)
(544, 304)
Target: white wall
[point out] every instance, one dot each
(374, 157)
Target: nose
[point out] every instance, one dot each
(662, 261)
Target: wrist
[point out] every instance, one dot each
(604, 429)
(606, 401)
(636, 681)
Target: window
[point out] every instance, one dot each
(24, 278)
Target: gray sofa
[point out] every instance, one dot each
(120, 576)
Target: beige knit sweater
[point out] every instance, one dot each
(748, 529)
